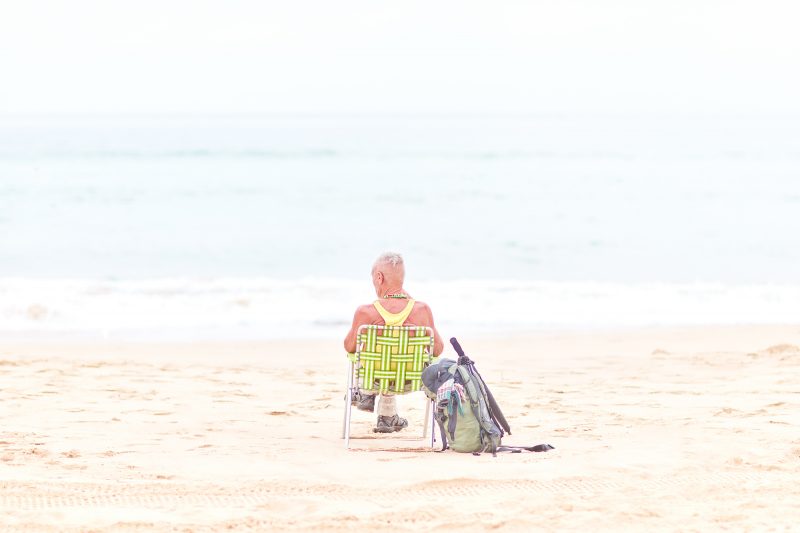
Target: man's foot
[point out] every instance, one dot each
(390, 424)
(366, 402)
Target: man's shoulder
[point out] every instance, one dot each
(422, 313)
(366, 310)
(422, 306)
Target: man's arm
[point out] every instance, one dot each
(360, 317)
(438, 343)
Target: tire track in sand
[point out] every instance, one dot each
(21, 496)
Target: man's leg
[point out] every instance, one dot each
(388, 421)
(387, 406)
(365, 401)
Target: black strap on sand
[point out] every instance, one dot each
(520, 449)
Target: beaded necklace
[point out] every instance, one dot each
(399, 295)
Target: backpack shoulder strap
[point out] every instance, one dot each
(443, 432)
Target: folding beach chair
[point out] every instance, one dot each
(389, 359)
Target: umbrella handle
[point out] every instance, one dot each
(457, 347)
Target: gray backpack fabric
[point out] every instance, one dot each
(469, 419)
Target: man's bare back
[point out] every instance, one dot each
(387, 278)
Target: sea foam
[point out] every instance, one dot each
(263, 308)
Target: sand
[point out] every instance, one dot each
(663, 429)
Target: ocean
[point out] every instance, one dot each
(248, 227)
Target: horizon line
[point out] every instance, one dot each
(398, 114)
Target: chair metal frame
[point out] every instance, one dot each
(354, 367)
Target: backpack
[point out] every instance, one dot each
(466, 411)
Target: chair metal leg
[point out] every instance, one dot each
(348, 406)
(347, 427)
(425, 420)
(430, 419)
(346, 398)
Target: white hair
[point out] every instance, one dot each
(391, 258)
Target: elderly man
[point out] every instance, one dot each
(394, 308)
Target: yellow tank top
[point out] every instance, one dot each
(394, 319)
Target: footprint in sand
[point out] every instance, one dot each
(38, 452)
(785, 350)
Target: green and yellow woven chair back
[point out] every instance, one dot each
(391, 358)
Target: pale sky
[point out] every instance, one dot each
(403, 56)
